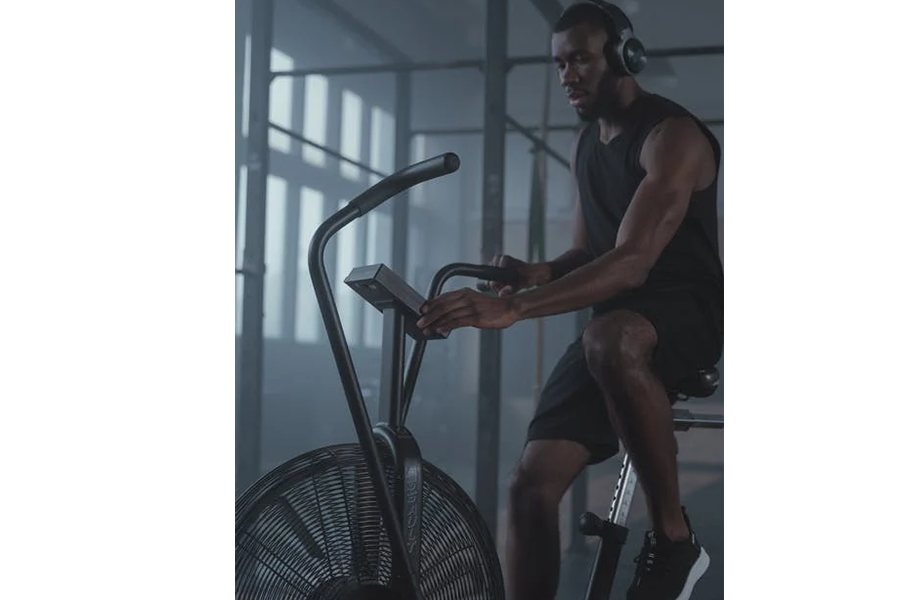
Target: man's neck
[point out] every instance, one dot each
(627, 91)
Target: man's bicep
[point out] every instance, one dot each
(654, 215)
(673, 158)
(678, 155)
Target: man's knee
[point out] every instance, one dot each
(529, 491)
(545, 472)
(618, 343)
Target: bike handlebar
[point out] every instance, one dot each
(404, 179)
(483, 272)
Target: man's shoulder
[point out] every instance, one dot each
(676, 122)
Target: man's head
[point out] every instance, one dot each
(581, 50)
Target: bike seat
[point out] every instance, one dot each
(701, 384)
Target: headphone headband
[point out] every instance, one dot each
(629, 56)
(620, 21)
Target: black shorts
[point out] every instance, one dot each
(689, 333)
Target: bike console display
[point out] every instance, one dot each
(383, 288)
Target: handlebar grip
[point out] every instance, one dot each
(404, 179)
(498, 274)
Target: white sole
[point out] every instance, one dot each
(694, 576)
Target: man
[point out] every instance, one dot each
(645, 258)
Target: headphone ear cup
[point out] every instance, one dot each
(633, 55)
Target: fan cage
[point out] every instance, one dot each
(311, 529)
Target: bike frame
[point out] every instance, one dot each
(402, 512)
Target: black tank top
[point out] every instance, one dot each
(608, 176)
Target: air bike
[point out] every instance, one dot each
(373, 520)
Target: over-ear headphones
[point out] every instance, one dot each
(626, 52)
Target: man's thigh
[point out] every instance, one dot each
(687, 331)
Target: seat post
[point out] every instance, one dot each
(613, 533)
(624, 493)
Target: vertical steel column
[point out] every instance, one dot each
(488, 445)
(249, 421)
(239, 68)
(400, 204)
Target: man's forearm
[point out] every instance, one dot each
(596, 281)
(566, 263)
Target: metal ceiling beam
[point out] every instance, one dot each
(407, 65)
(401, 67)
(550, 9)
(681, 52)
(530, 128)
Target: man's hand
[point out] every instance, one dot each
(466, 308)
(530, 274)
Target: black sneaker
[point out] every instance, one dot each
(668, 570)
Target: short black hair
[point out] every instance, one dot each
(580, 13)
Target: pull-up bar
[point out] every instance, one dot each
(533, 128)
(479, 64)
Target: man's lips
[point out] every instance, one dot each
(576, 97)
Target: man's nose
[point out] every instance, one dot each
(568, 75)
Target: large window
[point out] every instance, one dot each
(378, 250)
(381, 143)
(281, 102)
(366, 135)
(281, 96)
(306, 324)
(245, 99)
(351, 134)
(241, 216)
(349, 303)
(276, 209)
(315, 118)
(417, 153)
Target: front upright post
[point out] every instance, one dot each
(393, 359)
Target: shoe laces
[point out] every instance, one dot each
(648, 560)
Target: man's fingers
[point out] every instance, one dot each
(443, 305)
(457, 317)
(439, 301)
